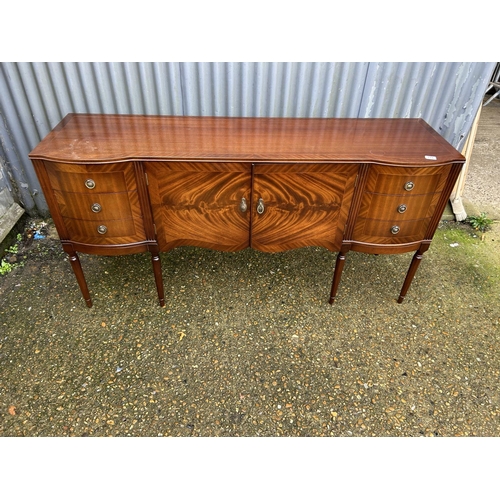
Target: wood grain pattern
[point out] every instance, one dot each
(305, 205)
(109, 178)
(384, 190)
(357, 198)
(145, 204)
(199, 204)
(379, 231)
(378, 249)
(115, 190)
(108, 249)
(82, 138)
(385, 207)
(391, 180)
(43, 177)
(119, 231)
(443, 200)
(114, 205)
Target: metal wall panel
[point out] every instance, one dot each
(272, 89)
(445, 95)
(34, 97)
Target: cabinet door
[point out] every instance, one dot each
(300, 205)
(200, 204)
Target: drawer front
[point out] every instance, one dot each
(406, 180)
(108, 178)
(99, 206)
(105, 232)
(398, 203)
(387, 232)
(398, 208)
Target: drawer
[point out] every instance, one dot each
(98, 206)
(108, 178)
(105, 232)
(398, 208)
(386, 232)
(406, 180)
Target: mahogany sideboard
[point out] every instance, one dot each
(121, 184)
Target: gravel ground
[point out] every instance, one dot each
(248, 345)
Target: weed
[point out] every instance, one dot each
(6, 265)
(480, 222)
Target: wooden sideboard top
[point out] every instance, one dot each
(98, 138)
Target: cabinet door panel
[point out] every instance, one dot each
(304, 205)
(199, 204)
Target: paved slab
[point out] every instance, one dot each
(482, 186)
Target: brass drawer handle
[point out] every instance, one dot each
(90, 184)
(96, 208)
(402, 209)
(243, 205)
(395, 229)
(409, 186)
(260, 206)
(102, 229)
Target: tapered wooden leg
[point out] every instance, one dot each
(339, 266)
(155, 259)
(415, 262)
(77, 269)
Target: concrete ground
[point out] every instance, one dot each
(482, 186)
(248, 345)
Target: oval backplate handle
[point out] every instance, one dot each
(243, 205)
(260, 206)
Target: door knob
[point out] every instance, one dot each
(260, 206)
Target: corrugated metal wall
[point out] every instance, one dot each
(34, 97)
